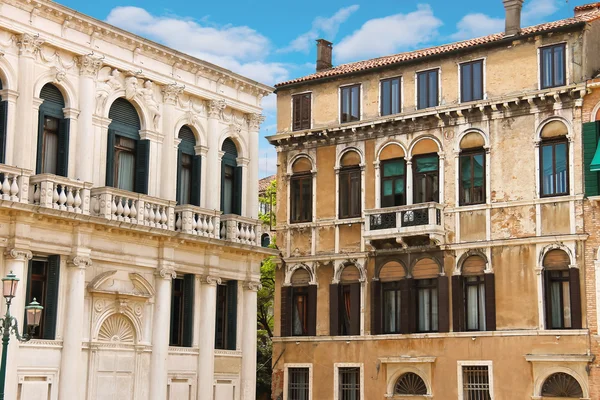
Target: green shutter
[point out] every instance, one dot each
(232, 292)
(110, 159)
(51, 306)
(590, 144)
(40, 143)
(237, 191)
(178, 194)
(28, 298)
(196, 183)
(222, 185)
(189, 282)
(142, 166)
(3, 130)
(63, 147)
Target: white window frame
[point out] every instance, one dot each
(339, 103)
(474, 363)
(379, 103)
(336, 378)
(286, 368)
(312, 99)
(439, 69)
(567, 65)
(485, 96)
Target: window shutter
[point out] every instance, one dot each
(458, 304)
(376, 307)
(232, 293)
(305, 117)
(355, 193)
(490, 302)
(575, 298)
(142, 166)
(590, 143)
(286, 311)
(51, 306)
(110, 159)
(196, 183)
(3, 129)
(408, 296)
(222, 185)
(312, 310)
(548, 300)
(28, 297)
(63, 147)
(355, 308)
(334, 315)
(178, 194)
(296, 112)
(443, 304)
(237, 190)
(40, 143)
(189, 283)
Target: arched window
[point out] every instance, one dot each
(554, 160)
(350, 186)
(231, 180)
(345, 303)
(562, 291)
(299, 306)
(53, 133)
(127, 157)
(562, 385)
(3, 127)
(301, 191)
(188, 169)
(426, 165)
(393, 176)
(388, 293)
(472, 169)
(410, 384)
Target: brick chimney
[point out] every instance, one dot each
(513, 17)
(323, 54)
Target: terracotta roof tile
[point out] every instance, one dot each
(585, 7)
(263, 183)
(438, 50)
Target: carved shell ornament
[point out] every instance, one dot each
(116, 329)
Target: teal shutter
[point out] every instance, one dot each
(196, 183)
(178, 194)
(28, 298)
(51, 306)
(3, 130)
(40, 143)
(63, 147)
(222, 185)
(142, 166)
(237, 190)
(110, 159)
(189, 281)
(232, 291)
(590, 144)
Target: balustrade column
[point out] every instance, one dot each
(168, 184)
(213, 193)
(254, 121)
(160, 332)
(70, 388)
(248, 377)
(409, 181)
(206, 342)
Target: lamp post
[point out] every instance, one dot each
(9, 323)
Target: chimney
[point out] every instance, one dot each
(513, 17)
(323, 54)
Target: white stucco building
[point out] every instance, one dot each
(129, 198)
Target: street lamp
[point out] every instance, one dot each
(9, 323)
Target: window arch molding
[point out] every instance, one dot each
(381, 264)
(391, 385)
(236, 138)
(339, 266)
(143, 113)
(125, 313)
(196, 128)
(8, 75)
(547, 121)
(431, 257)
(594, 113)
(341, 154)
(478, 253)
(292, 161)
(290, 270)
(549, 371)
(416, 141)
(557, 246)
(65, 86)
(392, 142)
(460, 137)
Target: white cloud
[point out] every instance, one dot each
(321, 27)
(388, 35)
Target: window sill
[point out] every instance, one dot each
(228, 353)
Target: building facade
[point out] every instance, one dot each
(432, 221)
(129, 204)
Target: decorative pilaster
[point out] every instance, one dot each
(206, 342)
(168, 172)
(212, 197)
(248, 375)
(254, 121)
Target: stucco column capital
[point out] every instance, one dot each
(28, 44)
(252, 286)
(18, 254)
(89, 65)
(81, 262)
(215, 107)
(254, 120)
(166, 271)
(210, 280)
(171, 93)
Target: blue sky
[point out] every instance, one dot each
(271, 41)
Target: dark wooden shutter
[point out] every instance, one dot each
(62, 165)
(196, 183)
(189, 283)
(458, 304)
(237, 190)
(490, 302)
(408, 295)
(355, 193)
(590, 143)
(178, 194)
(312, 310)
(142, 166)
(355, 308)
(51, 306)
(3, 130)
(548, 300)
(306, 109)
(28, 297)
(40, 142)
(443, 304)
(222, 185)
(110, 158)
(575, 298)
(232, 292)
(376, 308)
(334, 306)
(286, 311)
(297, 112)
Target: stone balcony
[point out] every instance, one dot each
(406, 225)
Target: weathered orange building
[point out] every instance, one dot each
(432, 219)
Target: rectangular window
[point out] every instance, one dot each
(553, 66)
(301, 198)
(185, 179)
(42, 285)
(176, 334)
(226, 316)
(472, 178)
(350, 103)
(125, 150)
(554, 171)
(428, 89)
(390, 96)
(426, 178)
(475, 302)
(427, 305)
(300, 311)
(50, 146)
(350, 192)
(393, 183)
(558, 297)
(301, 114)
(349, 383)
(476, 382)
(37, 289)
(298, 383)
(391, 307)
(471, 81)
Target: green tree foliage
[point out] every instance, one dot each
(269, 198)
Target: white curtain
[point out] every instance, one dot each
(50, 152)
(185, 178)
(126, 171)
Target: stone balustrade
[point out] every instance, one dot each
(14, 184)
(240, 229)
(60, 193)
(197, 221)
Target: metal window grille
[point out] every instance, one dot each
(476, 383)
(349, 383)
(298, 384)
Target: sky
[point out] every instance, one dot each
(272, 41)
